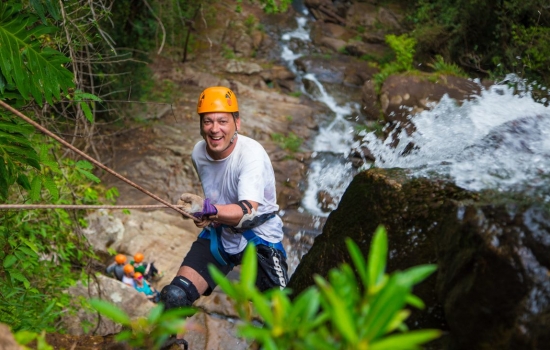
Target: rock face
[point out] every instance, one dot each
(113, 291)
(7, 341)
(491, 290)
(403, 95)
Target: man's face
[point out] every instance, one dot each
(217, 129)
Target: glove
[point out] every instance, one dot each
(196, 206)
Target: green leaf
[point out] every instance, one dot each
(249, 267)
(50, 185)
(19, 276)
(24, 337)
(3, 179)
(417, 274)
(79, 95)
(36, 187)
(358, 261)
(89, 175)
(87, 111)
(409, 340)
(110, 311)
(342, 316)
(377, 259)
(12, 127)
(83, 164)
(23, 181)
(9, 261)
(28, 251)
(37, 5)
(385, 305)
(155, 314)
(222, 281)
(415, 301)
(35, 70)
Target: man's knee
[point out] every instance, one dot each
(181, 292)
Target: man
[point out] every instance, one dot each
(116, 269)
(239, 206)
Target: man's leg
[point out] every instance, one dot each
(193, 278)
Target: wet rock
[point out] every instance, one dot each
(491, 289)
(369, 98)
(327, 11)
(358, 73)
(326, 202)
(336, 45)
(404, 95)
(361, 49)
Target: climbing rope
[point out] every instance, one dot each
(81, 206)
(100, 165)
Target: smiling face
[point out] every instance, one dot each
(218, 128)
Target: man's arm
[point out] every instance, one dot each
(231, 214)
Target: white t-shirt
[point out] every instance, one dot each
(246, 174)
(128, 280)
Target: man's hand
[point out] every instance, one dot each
(198, 207)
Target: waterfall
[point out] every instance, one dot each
(499, 139)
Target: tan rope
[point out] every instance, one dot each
(84, 155)
(80, 206)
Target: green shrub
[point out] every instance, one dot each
(404, 48)
(291, 142)
(149, 332)
(353, 309)
(440, 66)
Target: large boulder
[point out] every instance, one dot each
(491, 289)
(87, 321)
(402, 95)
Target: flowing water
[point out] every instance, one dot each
(330, 171)
(498, 140)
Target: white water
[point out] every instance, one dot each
(499, 140)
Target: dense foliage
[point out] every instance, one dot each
(486, 37)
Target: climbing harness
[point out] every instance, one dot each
(92, 160)
(214, 234)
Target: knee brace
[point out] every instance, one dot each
(181, 292)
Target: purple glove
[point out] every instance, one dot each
(208, 209)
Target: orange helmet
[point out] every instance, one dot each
(138, 257)
(120, 259)
(217, 99)
(137, 275)
(128, 268)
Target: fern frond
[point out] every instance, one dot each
(36, 72)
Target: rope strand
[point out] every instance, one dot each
(82, 206)
(84, 155)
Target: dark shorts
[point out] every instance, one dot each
(272, 266)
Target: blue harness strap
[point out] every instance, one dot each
(219, 253)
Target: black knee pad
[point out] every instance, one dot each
(181, 292)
